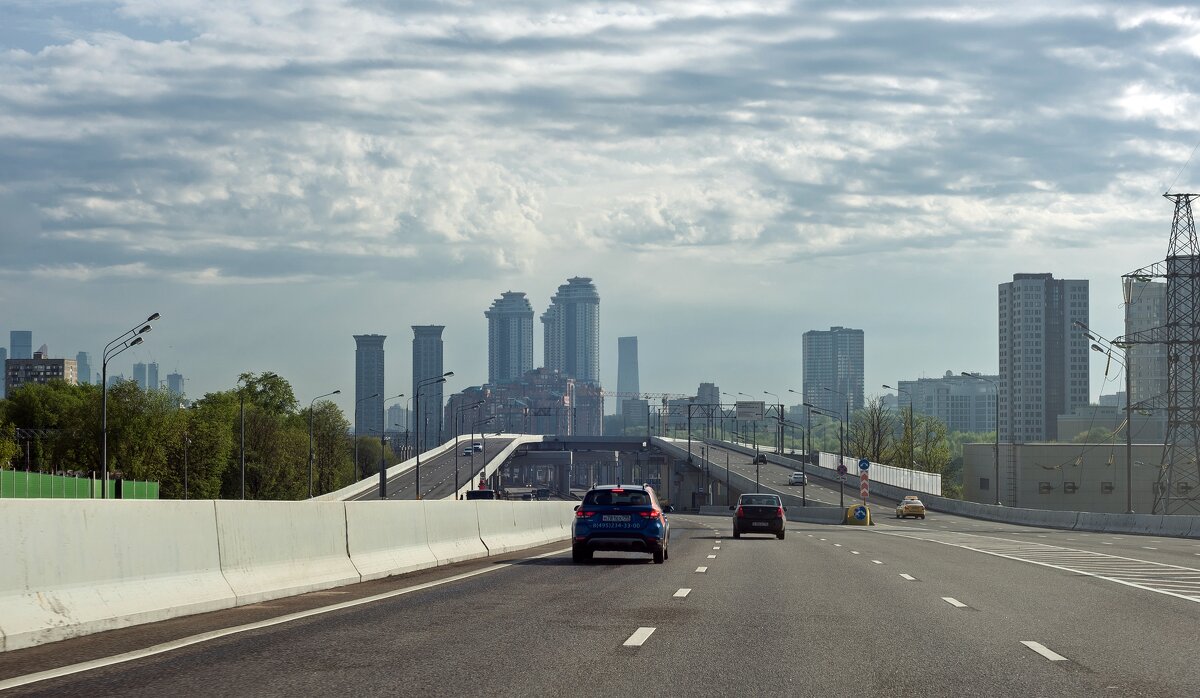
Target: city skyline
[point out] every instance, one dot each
(730, 175)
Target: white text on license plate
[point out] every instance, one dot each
(615, 517)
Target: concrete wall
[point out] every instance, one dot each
(1041, 475)
(74, 567)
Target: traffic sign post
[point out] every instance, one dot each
(864, 483)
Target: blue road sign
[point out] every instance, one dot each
(860, 512)
(864, 464)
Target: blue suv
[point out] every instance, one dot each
(620, 517)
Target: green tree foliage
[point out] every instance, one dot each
(8, 445)
(931, 447)
(1095, 435)
(872, 432)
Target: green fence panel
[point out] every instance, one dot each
(17, 484)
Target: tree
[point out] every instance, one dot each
(872, 432)
(1095, 435)
(931, 447)
(8, 445)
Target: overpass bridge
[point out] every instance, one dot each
(462, 598)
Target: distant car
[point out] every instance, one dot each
(477, 447)
(760, 459)
(621, 517)
(798, 479)
(482, 494)
(467, 451)
(759, 513)
(527, 497)
(911, 505)
(542, 494)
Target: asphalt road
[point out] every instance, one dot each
(437, 474)
(945, 606)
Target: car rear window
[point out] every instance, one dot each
(617, 498)
(760, 500)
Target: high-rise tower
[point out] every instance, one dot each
(139, 375)
(20, 344)
(572, 330)
(1043, 357)
(368, 381)
(1146, 310)
(83, 362)
(427, 367)
(834, 369)
(510, 338)
(627, 368)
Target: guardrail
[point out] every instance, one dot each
(116, 564)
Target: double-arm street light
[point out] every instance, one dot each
(416, 398)
(482, 446)
(310, 439)
(356, 404)
(807, 424)
(458, 415)
(996, 447)
(841, 448)
(1127, 365)
(912, 429)
(779, 404)
(383, 446)
(803, 463)
(130, 338)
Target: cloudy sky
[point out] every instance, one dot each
(274, 177)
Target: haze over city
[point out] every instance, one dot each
(275, 178)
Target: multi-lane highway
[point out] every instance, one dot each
(945, 606)
(438, 473)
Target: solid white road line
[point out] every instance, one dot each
(954, 602)
(701, 569)
(638, 637)
(682, 593)
(223, 632)
(1044, 651)
(909, 577)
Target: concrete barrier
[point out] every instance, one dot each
(274, 549)
(453, 528)
(386, 538)
(76, 567)
(498, 527)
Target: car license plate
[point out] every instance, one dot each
(615, 518)
(761, 523)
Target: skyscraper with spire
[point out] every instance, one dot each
(571, 328)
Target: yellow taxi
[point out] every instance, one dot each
(910, 506)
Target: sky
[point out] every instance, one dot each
(275, 177)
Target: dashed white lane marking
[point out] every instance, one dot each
(877, 562)
(716, 547)
(701, 569)
(682, 593)
(1044, 651)
(1146, 547)
(855, 552)
(712, 557)
(909, 577)
(954, 602)
(638, 637)
(837, 545)
(820, 539)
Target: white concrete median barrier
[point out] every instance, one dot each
(75, 567)
(453, 528)
(274, 549)
(386, 538)
(498, 527)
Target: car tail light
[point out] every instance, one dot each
(617, 490)
(779, 510)
(741, 512)
(581, 514)
(652, 514)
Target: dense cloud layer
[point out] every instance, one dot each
(208, 142)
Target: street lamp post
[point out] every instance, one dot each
(483, 447)
(779, 404)
(996, 448)
(356, 404)
(841, 449)
(130, 338)
(310, 439)
(807, 425)
(242, 420)
(803, 464)
(912, 430)
(458, 415)
(417, 410)
(383, 445)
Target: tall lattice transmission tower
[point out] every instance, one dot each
(1178, 488)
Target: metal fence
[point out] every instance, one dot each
(915, 480)
(26, 485)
